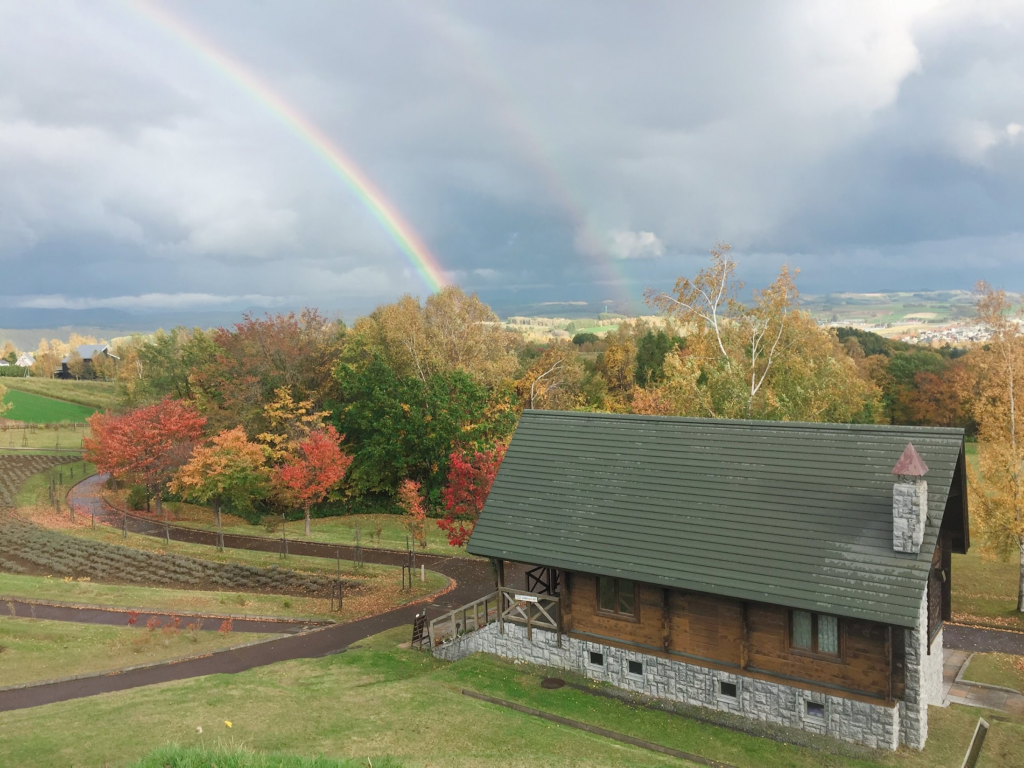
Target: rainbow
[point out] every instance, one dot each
(419, 256)
(514, 114)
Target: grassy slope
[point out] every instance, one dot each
(34, 490)
(43, 410)
(985, 591)
(43, 650)
(376, 699)
(43, 438)
(1000, 669)
(199, 757)
(97, 395)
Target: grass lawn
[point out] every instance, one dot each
(34, 490)
(377, 699)
(333, 530)
(43, 410)
(98, 395)
(42, 650)
(41, 438)
(985, 591)
(198, 757)
(1000, 669)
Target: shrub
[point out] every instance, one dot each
(137, 498)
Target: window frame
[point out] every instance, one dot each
(813, 651)
(616, 614)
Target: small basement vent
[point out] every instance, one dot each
(814, 709)
(727, 689)
(636, 667)
(597, 659)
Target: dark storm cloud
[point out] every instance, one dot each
(530, 144)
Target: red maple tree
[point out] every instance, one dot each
(315, 467)
(470, 478)
(147, 444)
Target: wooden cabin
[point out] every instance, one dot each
(794, 573)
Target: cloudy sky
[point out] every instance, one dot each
(541, 151)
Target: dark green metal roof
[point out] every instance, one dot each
(789, 513)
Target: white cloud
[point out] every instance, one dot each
(620, 244)
(145, 301)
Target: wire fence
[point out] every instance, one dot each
(69, 436)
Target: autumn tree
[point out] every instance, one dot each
(764, 359)
(451, 331)
(147, 445)
(470, 477)
(553, 380)
(9, 353)
(4, 407)
(997, 483)
(249, 363)
(313, 469)
(229, 472)
(410, 500)
(163, 365)
(288, 422)
(47, 358)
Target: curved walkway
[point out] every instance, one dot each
(30, 608)
(473, 579)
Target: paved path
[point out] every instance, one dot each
(982, 640)
(25, 608)
(473, 578)
(956, 690)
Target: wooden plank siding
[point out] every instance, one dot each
(736, 636)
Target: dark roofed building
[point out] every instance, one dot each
(88, 353)
(777, 570)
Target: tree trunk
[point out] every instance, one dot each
(220, 528)
(159, 503)
(307, 521)
(1020, 583)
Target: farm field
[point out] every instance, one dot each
(43, 650)
(97, 395)
(37, 409)
(385, 700)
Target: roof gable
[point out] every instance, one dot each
(788, 513)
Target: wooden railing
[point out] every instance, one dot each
(468, 618)
(532, 609)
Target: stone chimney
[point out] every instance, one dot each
(909, 501)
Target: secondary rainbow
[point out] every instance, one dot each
(414, 249)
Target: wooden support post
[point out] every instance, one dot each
(666, 619)
(744, 635)
(889, 659)
(499, 570)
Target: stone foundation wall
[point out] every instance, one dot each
(868, 724)
(924, 681)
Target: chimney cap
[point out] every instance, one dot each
(910, 464)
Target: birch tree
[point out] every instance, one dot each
(995, 484)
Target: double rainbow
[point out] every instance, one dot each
(414, 249)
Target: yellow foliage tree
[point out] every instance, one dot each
(763, 360)
(996, 486)
(552, 382)
(290, 422)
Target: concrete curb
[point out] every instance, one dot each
(146, 665)
(166, 612)
(960, 675)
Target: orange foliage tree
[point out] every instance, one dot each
(230, 471)
(410, 500)
(313, 469)
(147, 444)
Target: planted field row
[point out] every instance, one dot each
(15, 470)
(22, 542)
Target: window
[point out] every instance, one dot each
(616, 596)
(597, 659)
(814, 709)
(816, 633)
(636, 667)
(727, 689)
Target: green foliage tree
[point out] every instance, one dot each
(651, 349)
(585, 338)
(401, 427)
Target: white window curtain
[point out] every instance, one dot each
(828, 635)
(801, 629)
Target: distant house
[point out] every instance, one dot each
(89, 353)
(4, 364)
(791, 573)
(25, 360)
